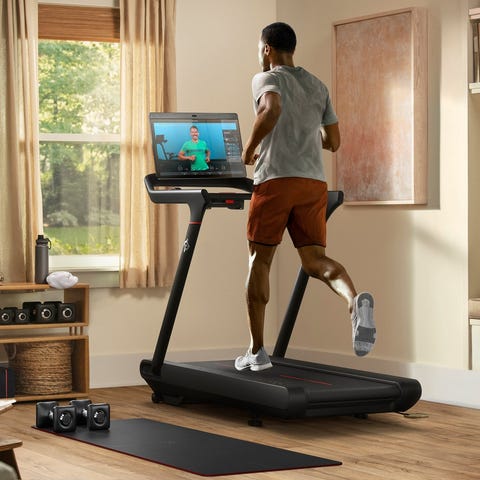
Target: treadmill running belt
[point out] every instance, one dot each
(319, 384)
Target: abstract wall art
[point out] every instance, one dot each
(380, 96)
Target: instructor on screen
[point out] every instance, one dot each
(196, 151)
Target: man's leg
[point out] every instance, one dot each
(316, 264)
(258, 290)
(258, 294)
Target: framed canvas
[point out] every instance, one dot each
(380, 96)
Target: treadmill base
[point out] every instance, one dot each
(291, 389)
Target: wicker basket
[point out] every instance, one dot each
(42, 368)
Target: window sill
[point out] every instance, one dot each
(99, 279)
(99, 271)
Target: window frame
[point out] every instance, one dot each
(81, 23)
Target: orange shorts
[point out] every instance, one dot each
(296, 204)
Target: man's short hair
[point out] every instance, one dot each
(280, 36)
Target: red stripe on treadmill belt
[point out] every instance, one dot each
(306, 380)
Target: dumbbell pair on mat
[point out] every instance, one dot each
(96, 416)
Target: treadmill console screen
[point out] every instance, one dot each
(197, 145)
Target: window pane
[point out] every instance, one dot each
(81, 197)
(80, 94)
(79, 87)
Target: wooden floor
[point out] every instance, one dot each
(443, 446)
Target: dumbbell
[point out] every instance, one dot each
(65, 312)
(14, 315)
(22, 315)
(95, 415)
(61, 418)
(41, 312)
(7, 315)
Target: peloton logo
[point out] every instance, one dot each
(186, 245)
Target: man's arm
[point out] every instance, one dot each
(269, 110)
(331, 137)
(182, 156)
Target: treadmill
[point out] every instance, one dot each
(291, 388)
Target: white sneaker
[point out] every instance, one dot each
(363, 326)
(256, 362)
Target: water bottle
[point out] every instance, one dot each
(42, 246)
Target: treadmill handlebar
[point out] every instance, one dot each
(335, 199)
(197, 199)
(174, 195)
(240, 183)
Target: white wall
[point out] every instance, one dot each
(414, 259)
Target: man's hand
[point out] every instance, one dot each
(331, 137)
(249, 157)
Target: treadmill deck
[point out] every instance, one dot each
(291, 388)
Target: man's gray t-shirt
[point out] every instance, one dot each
(294, 147)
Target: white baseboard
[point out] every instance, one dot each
(439, 384)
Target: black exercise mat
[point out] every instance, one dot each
(194, 451)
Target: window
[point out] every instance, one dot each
(79, 109)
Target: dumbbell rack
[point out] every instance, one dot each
(48, 332)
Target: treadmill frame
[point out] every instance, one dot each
(175, 383)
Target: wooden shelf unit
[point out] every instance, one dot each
(48, 332)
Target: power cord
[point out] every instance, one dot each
(413, 415)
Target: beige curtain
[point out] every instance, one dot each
(149, 233)
(20, 193)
